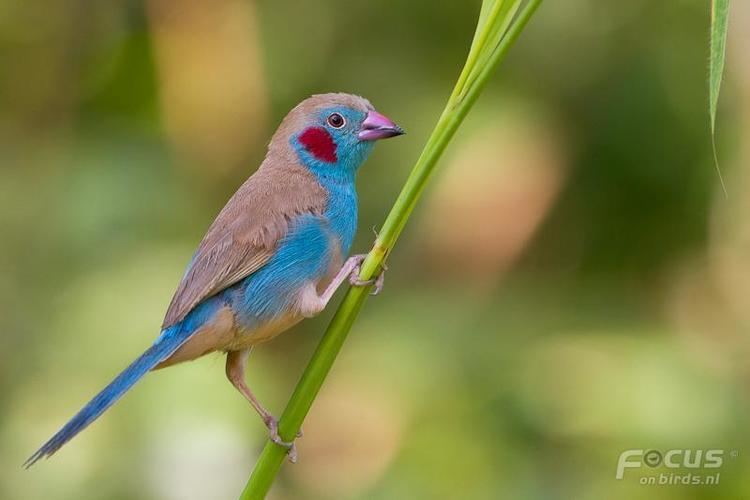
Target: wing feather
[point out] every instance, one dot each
(245, 233)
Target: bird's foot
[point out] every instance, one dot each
(273, 430)
(378, 281)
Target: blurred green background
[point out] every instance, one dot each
(575, 284)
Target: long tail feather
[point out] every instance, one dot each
(170, 340)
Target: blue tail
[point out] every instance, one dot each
(168, 342)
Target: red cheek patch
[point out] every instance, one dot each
(319, 143)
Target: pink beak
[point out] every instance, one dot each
(377, 126)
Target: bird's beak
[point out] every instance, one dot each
(377, 126)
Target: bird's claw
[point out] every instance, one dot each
(273, 431)
(378, 281)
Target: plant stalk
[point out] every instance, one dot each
(488, 49)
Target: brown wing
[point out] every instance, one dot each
(245, 233)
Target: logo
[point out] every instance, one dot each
(705, 461)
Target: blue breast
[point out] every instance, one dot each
(303, 255)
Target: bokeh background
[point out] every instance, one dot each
(573, 285)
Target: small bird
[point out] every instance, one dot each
(274, 255)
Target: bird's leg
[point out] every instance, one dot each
(343, 274)
(235, 369)
(350, 271)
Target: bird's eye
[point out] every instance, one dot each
(335, 120)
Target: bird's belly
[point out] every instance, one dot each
(298, 308)
(247, 337)
(212, 336)
(224, 333)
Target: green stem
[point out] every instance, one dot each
(462, 99)
(488, 14)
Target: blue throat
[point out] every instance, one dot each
(338, 179)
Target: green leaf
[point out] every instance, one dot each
(719, 23)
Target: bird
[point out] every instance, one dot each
(274, 255)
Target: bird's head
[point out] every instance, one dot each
(332, 134)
